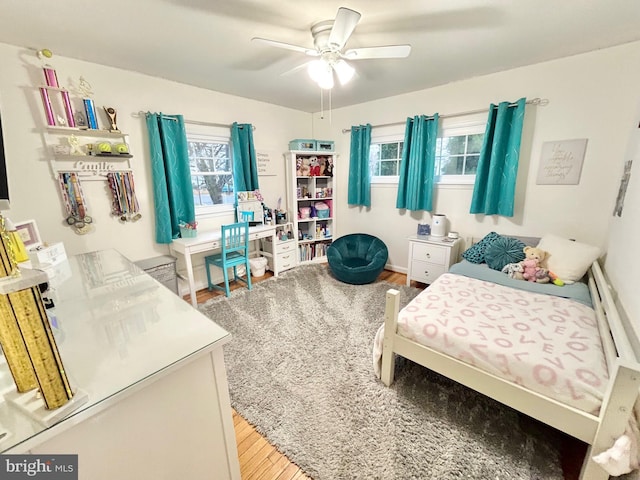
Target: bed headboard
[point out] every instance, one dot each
(531, 241)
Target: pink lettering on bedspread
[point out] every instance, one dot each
(548, 344)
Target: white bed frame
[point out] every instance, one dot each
(598, 431)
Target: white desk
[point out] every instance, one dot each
(208, 241)
(153, 369)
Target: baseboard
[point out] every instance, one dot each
(396, 268)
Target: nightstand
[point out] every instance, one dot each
(430, 257)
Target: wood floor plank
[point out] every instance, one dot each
(275, 470)
(252, 463)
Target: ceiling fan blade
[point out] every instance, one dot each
(296, 69)
(343, 26)
(387, 51)
(307, 51)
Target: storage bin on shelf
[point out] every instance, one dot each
(305, 212)
(322, 210)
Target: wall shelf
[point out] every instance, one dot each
(87, 132)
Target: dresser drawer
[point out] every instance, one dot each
(429, 253)
(286, 247)
(426, 272)
(286, 260)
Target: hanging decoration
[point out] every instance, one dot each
(124, 203)
(74, 202)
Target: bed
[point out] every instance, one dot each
(482, 329)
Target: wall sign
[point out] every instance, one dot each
(267, 165)
(561, 162)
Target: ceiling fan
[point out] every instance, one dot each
(329, 39)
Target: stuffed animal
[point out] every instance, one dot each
(299, 167)
(305, 168)
(323, 165)
(328, 169)
(542, 276)
(514, 270)
(534, 258)
(314, 166)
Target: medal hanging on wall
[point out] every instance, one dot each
(75, 202)
(124, 203)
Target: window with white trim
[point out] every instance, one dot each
(211, 173)
(385, 155)
(457, 152)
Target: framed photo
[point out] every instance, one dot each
(28, 231)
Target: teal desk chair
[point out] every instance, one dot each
(234, 252)
(246, 216)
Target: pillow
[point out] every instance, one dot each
(475, 253)
(567, 259)
(502, 251)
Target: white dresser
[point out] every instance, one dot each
(430, 257)
(281, 254)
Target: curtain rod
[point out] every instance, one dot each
(534, 101)
(190, 122)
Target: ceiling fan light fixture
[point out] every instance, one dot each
(344, 71)
(321, 73)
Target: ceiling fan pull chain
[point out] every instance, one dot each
(330, 112)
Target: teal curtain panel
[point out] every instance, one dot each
(245, 166)
(359, 192)
(495, 187)
(172, 190)
(417, 167)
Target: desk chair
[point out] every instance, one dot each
(235, 251)
(246, 216)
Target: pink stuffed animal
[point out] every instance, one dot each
(532, 264)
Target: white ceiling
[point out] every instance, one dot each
(207, 43)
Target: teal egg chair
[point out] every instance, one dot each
(357, 258)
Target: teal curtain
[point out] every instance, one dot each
(417, 167)
(495, 187)
(359, 174)
(245, 168)
(172, 190)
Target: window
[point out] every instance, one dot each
(211, 173)
(457, 155)
(385, 155)
(457, 152)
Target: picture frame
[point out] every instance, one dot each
(561, 162)
(29, 234)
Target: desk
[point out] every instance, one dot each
(209, 241)
(153, 369)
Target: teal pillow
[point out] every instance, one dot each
(502, 251)
(475, 253)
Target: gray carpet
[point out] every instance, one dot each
(300, 370)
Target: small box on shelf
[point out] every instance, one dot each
(188, 232)
(42, 256)
(302, 144)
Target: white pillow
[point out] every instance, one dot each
(567, 259)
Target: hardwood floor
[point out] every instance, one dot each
(260, 460)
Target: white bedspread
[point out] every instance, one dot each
(547, 344)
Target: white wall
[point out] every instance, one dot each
(34, 193)
(622, 262)
(591, 96)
